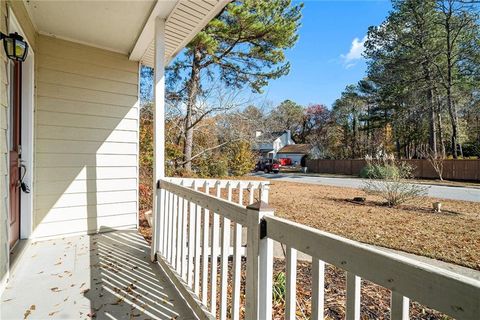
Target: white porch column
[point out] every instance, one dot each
(158, 131)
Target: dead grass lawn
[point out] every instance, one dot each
(451, 236)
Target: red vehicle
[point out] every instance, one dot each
(268, 165)
(285, 161)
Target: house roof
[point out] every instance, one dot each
(296, 149)
(269, 137)
(264, 150)
(126, 27)
(182, 24)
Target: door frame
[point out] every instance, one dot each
(27, 130)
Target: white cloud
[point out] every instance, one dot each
(355, 53)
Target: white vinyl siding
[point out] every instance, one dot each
(86, 139)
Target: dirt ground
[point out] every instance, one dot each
(451, 236)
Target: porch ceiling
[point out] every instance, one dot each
(112, 25)
(124, 26)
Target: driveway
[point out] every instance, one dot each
(436, 191)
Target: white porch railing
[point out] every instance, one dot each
(190, 241)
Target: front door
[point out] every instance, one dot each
(15, 150)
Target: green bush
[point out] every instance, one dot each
(279, 287)
(390, 179)
(208, 167)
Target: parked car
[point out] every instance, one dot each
(285, 161)
(268, 165)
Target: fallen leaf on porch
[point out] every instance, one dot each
(52, 313)
(29, 311)
(130, 288)
(91, 315)
(58, 263)
(55, 289)
(84, 291)
(7, 300)
(120, 300)
(40, 272)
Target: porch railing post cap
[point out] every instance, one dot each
(259, 206)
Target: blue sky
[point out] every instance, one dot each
(327, 56)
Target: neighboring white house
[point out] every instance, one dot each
(269, 143)
(294, 152)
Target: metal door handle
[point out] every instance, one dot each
(23, 185)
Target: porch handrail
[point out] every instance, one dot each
(193, 241)
(440, 289)
(191, 231)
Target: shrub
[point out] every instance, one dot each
(389, 179)
(279, 288)
(241, 159)
(210, 166)
(378, 171)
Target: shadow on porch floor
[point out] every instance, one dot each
(102, 276)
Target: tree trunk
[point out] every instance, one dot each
(354, 137)
(193, 87)
(441, 138)
(440, 133)
(432, 136)
(432, 141)
(452, 110)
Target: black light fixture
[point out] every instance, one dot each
(15, 47)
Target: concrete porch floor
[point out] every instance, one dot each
(102, 276)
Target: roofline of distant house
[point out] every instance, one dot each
(292, 152)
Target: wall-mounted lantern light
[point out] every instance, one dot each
(15, 47)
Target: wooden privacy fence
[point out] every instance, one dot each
(192, 239)
(452, 169)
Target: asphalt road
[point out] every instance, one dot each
(437, 191)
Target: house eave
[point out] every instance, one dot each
(185, 20)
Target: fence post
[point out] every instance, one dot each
(264, 190)
(159, 197)
(259, 264)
